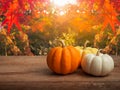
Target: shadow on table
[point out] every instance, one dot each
(48, 72)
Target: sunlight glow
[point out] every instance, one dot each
(62, 3)
(78, 11)
(62, 13)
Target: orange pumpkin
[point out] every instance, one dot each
(63, 60)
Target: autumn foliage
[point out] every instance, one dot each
(41, 19)
(15, 10)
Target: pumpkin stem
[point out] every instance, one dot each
(98, 52)
(86, 42)
(62, 42)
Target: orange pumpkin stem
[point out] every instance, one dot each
(98, 52)
(86, 42)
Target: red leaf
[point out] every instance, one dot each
(10, 23)
(110, 16)
(4, 22)
(16, 22)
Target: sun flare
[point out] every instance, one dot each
(62, 3)
(61, 13)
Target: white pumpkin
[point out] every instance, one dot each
(97, 65)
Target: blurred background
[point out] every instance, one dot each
(33, 27)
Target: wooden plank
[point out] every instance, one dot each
(31, 72)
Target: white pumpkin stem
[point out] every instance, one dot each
(98, 52)
(86, 42)
(63, 43)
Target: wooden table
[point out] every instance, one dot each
(32, 73)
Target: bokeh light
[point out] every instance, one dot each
(62, 3)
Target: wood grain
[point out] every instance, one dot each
(32, 73)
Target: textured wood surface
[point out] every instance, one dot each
(32, 73)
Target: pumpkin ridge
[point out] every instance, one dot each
(61, 60)
(104, 58)
(65, 61)
(99, 69)
(102, 66)
(49, 57)
(52, 56)
(90, 65)
(79, 57)
(57, 59)
(69, 48)
(74, 53)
